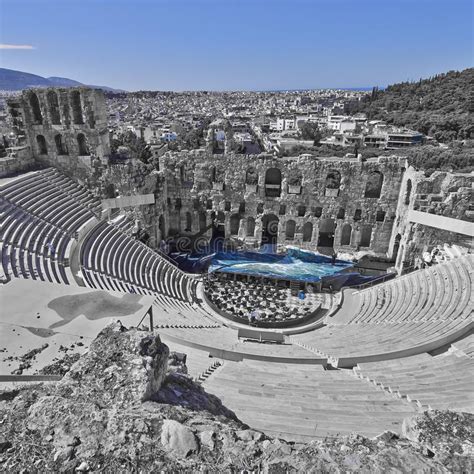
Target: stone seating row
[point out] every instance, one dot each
(53, 198)
(424, 295)
(112, 260)
(355, 343)
(444, 381)
(32, 247)
(465, 345)
(223, 342)
(299, 402)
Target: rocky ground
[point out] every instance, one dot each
(127, 405)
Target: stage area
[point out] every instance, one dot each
(296, 264)
(65, 318)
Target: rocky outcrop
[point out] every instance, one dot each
(123, 407)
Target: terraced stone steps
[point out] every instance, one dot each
(305, 401)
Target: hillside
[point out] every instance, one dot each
(11, 80)
(127, 405)
(438, 106)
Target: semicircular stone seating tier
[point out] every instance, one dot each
(415, 313)
(41, 213)
(112, 260)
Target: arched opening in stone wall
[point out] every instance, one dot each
(373, 187)
(189, 222)
(318, 211)
(341, 213)
(333, 183)
(234, 224)
(36, 109)
(365, 235)
(396, 247)
(53, 106)
(202, 221)
(213, 174)
(308, 232)
(60, 148)
(250, 227)
(301, 210)
(82, 145)
(380, 215)
(346, 234)
(174, 223)
(251, 177)
(269, 229)
(273, 182)
(76, 107)
(327, 228)
(161, 226)
(42, 147)
(408, 193)
(218, 231)
(290, 230)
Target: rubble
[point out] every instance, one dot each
(114, 411)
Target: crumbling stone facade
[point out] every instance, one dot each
(442, 193)
(310, 202)
(64, 127)
(303, 201)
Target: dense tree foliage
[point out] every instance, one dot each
(457, 157)
(195, 137)
(310, 131)
(440, 107)
(137, 147)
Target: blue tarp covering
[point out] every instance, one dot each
(296, 264)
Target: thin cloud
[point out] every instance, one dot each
(16, 46)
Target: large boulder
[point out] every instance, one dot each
(121, 365)
(178, 438)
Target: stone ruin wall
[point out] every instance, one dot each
(193, 188)
(134, 178)
(442, 193)
(65, 128)
(198, 183)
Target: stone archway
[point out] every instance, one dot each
(346, 234)
(396, 247)
(273, 182)
(269, 229)
(327, 228)
(308, 232)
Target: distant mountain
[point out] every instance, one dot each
(11, 80)
(63, 82)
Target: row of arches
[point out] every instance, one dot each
(270, 225)
(52, 102)
(61, 148)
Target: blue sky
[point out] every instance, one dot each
(236, 44)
